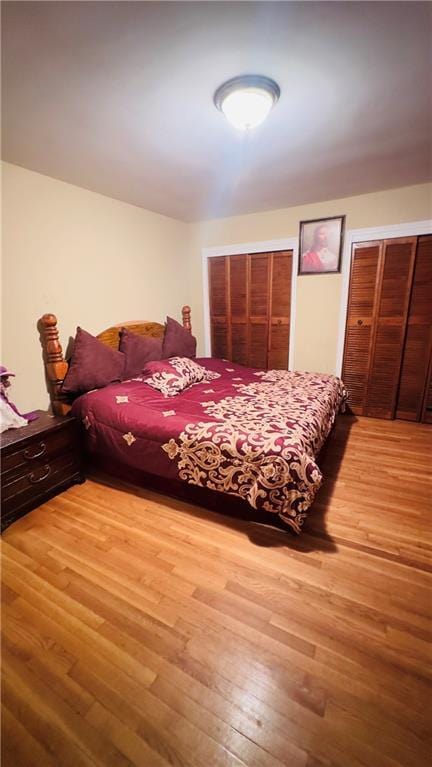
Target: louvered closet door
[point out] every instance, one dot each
(280, 307)
(365, 261)
(380, 286)
(219, 310)
(259, 283)
(417, 351)
(239, 308)
(250, 304)
(397, 263)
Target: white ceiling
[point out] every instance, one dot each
(117, 97)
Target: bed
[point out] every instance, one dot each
(248, 433)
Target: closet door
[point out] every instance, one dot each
(259, 285)
(380, 287)
(280, 307)
(418, 343)
(239, 308)
(361, 313)
(219, 306)
(250, 304)
(397, 264)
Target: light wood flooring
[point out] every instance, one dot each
(138, 630)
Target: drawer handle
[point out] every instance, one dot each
(359, 322)
(30, 456)
(34, 480)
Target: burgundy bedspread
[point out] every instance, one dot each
(249, 433)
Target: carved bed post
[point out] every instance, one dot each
(186, 315)
(55, 364)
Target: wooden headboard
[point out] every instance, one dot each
(56, 365)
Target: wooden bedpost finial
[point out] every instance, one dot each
(55, 364)
(52, 346)
(186, 315)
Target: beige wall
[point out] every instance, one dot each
(318, 296)
(91, 260)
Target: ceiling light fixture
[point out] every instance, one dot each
(247, 100)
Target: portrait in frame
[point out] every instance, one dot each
(320, 246)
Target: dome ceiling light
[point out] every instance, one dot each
(247, 100)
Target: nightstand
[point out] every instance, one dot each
(38, 461)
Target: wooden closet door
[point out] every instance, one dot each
(250, 304)
(259, 284)
(280, 308)
(389, 327)
(219, 277)
(361, 311)
(239, 309)
(418, 343)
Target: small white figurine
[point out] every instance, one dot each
(10, 418)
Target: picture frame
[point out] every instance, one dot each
(320, 245)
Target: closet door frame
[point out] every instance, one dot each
(353, 236)
(239, 249)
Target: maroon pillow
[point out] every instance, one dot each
(92, 365)
(178, 342)
(138, 350)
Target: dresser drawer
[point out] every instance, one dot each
(43, 449)
(38, 484)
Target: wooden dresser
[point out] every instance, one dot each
(37, 462)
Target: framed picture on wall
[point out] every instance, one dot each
(320, 247)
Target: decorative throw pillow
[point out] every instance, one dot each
(92, 365)
(177, 342)
(138, 350)
(174, 375)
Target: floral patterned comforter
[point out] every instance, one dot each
(249, 433)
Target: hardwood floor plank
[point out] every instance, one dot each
(134, 747)
(212, 692)
(163, 730)
(19, 747)
(388, 741)
(234, 742)
(35, 587)
(35, 706)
